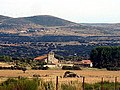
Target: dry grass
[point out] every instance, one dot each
(92, 76)
(2, 64)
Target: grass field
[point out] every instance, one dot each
(91, 76)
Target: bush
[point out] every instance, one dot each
(89, 87)
(40, 68)
(35, 84)
(35, 68)
(76, 68)
(24, 69)
(20, 84)
(45, 68)
(67, 68)
(68, 87)
(113, 68)
(71, 68)
(49, 85)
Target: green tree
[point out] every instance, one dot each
(106, 56)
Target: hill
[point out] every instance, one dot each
(47, 20)
(44, 20)
(35, 25)
(50, 25)
(16, 21)
(2, 18)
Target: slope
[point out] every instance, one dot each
(47, 20)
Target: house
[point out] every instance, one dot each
(49, 59)
(84, 63)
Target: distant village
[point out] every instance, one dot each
(51, 61)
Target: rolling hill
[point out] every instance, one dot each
(47, 20)
(23, 25)
(2, 18)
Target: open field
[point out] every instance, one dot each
(91, 76)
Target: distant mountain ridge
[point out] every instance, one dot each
(34, 25)
(51, 25)
(45, 20)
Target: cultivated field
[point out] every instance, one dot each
(91, 76)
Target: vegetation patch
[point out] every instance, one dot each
(71, 68)
(39, 84)
(20, 84)
(106, 57)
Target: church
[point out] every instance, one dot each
(49, 59)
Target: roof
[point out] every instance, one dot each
(83, 62)
(86, 61)
(41, 57)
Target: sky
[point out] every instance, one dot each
(80, 11)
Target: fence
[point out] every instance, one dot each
(102, 84)
(82, 83)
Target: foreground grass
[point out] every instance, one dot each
(39, 84)
(106, 86)
(20, 84)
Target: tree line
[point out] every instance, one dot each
(106, 56)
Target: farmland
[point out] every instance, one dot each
(91, 76)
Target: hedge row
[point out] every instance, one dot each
(71, 68)
(113, 68)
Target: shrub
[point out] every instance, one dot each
(20, 84)
(45, 68)
(24, 69)
(49, 85)
(97, 86)
(76, 68)
(67, 68)
(88, 87)
(113, 68)
(71, 68)
(40, 68)
(68, 87)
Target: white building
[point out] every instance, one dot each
(49, 59)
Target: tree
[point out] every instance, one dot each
(106, 56)
(24, 69)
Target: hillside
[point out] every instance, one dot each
(35, 25)
(2, 18)
(16, 21)
(47, 20)
(44, 20)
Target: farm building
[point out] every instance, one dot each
(49, 59)
(84, 63)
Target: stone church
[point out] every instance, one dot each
(48, 58)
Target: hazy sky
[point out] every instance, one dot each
(81, 11)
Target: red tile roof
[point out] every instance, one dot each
(41, 57)
(86, 61)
